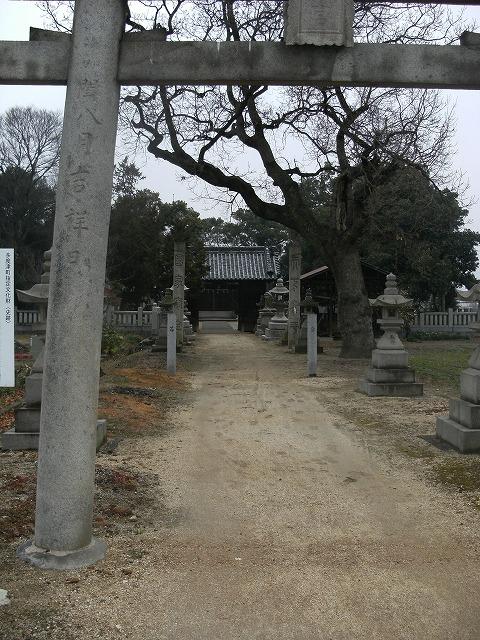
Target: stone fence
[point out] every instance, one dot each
(138, 321)
(448, 321)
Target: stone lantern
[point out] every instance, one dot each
(24, 434)
(26, 430)
(188, 333)
(165, 306)
(278, 322)
(307, 305)
(38, 295)
(390, 374)
(265, 314)
(461, 427)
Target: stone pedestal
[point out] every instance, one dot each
(276, 330)
(462, 426)
(26, 433)
(389, 374)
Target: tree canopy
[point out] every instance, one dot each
(26, 221)
(30, 140)
(244, 229)
(140, 252)
(417, 231)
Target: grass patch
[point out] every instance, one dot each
(416, 452)
(459, 473)
(443, 366)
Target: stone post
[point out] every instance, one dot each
(312, 343)
(294, 272)
(179, 287)
(66, 463)
(171, 343)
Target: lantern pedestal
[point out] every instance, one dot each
(462, 426)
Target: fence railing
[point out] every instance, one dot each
(447, 321)
(129, 319)
(140, 319)
(23, 316)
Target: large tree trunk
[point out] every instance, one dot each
(354, 313)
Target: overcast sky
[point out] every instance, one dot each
(18, 16)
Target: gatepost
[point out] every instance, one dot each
(294, 271)
(179, 287)
(66, 461)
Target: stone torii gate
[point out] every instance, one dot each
(94, 62)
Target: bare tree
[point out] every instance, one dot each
(30, 140)
(354, 136)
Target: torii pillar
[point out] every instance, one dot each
(66, 461)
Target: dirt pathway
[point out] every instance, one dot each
(278, 521)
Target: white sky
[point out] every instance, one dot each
(18, 16)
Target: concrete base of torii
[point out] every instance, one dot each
(62, 560)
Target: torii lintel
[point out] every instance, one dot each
(146, 59)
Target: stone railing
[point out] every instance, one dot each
(139, 320)
(26, 316)
(448, 321)
(135, 321)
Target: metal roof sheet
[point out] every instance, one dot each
(240, 263)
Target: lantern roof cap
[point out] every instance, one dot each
(279, 288)
(472, 295)
(38, 294)
(391, 297)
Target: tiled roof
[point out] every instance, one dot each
(240, 263)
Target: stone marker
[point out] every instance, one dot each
(294, 271)
(171, 343)
(179, 287)
(462, 426)
(390, 374)
(66, 462)
(325, 22)
(277, 325)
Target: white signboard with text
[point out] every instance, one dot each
(7, 319)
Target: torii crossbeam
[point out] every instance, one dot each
(93, 62)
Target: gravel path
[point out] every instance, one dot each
(275, 519)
